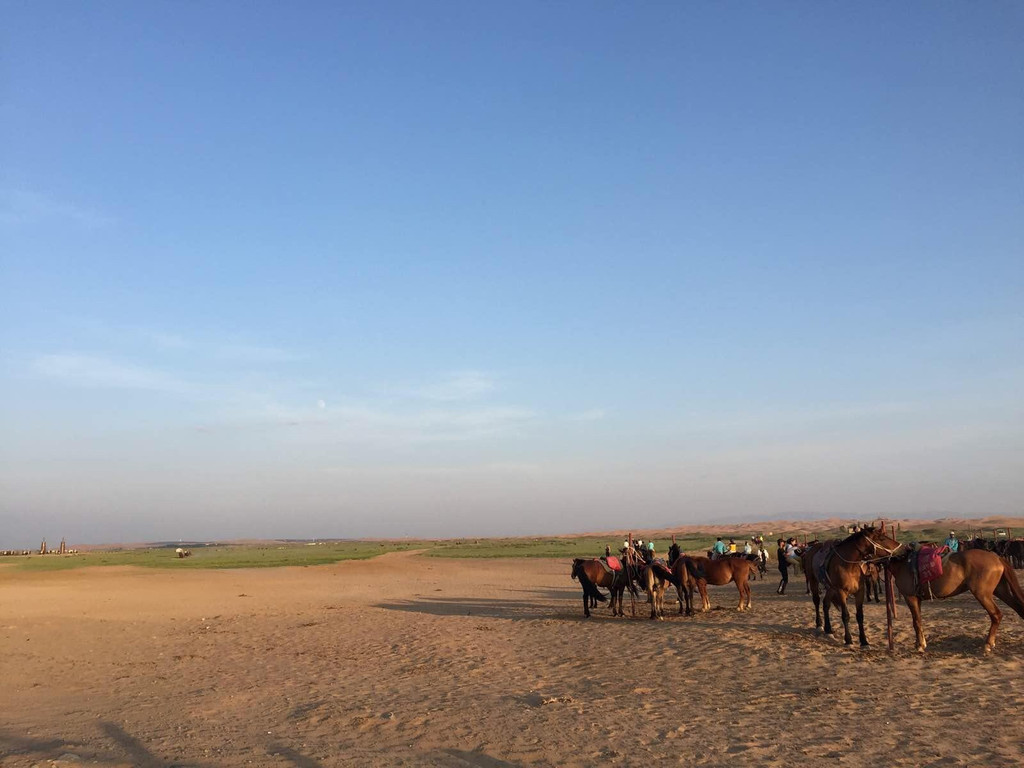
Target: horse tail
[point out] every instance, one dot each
(588, 586)
(1013, 594)
(666, 574)
(695, 572)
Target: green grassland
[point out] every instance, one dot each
(277, 554)
(222, 556)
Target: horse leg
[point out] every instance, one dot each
(817, 609)
(679, 592)
(859, 601)
(995, 615)
(844, 609)
(705, 603)
(586, 605)
(914, 604)
(826, 606)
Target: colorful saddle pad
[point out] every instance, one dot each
(613, 562)
(929, 563)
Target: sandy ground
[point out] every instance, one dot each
(407, 660)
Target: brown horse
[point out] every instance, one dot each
(593, 574)
(655, 579)
(721, 571)
(982, 572)
(843, 571)
(684, 576)
(873, 585)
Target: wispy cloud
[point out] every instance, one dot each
(19, 207)
(253, 353)
(594, 414)
(88, 371)
(454, 386)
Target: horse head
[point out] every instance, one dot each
(873, 542)
(577, 564)
(673, 553)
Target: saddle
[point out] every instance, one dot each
(929, 561)
(613, 563)
(820, 560)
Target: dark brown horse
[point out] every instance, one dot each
(985, 574)
(844, 563)
(593, 574)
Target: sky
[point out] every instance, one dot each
(468, 269)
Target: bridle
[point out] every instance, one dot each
(889, 553)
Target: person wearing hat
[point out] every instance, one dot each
(952, 542)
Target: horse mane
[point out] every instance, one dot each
(863, 532)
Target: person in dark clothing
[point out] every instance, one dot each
(783, 567)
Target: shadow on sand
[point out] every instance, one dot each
(476, 606)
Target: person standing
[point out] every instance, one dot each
(783, 567)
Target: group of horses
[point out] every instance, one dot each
(835, 570)
(1011, 549)
(684, 572)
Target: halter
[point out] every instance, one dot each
(889, 552)
(887, 556)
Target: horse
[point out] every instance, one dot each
(873, 586)
(980, 571)
(593, 574)
(655, 580)
(843, 570)
(684, 576)
(721, 571)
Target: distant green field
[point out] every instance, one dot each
(294, 553)
(584, 546)
(228, 556)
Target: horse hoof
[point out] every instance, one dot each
(865, 644)
(989, 648)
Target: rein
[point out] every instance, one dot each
(884, 558)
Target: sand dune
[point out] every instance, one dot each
(406, 660)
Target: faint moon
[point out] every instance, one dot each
(321, 404)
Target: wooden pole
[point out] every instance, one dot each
(630, 570)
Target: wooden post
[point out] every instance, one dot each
(631, 564)
(890, 608)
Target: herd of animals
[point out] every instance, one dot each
(834, 570)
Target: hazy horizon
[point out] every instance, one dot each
(449, 269)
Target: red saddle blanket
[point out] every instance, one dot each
(929, 563)
(613, 563)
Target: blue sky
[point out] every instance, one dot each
(477, 268)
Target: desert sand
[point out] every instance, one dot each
(416, 661)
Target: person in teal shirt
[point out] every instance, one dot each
(719, 548)
(952, 542)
